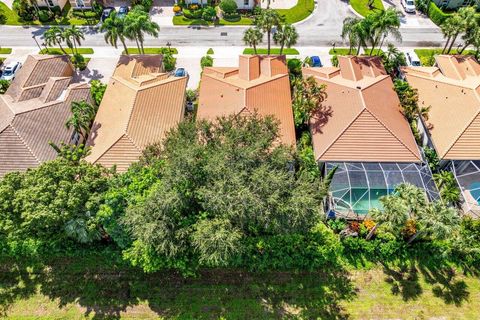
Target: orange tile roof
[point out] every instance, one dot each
(34, 111)
(453, 91)
(361, 119)
(260, 84)
(141, 104)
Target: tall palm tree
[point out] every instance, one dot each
(252, 37)
(114, 31)
(266, 21)
(286, 35)
(54, 36)
(459, 23)
(350, 32)
(137, 24)
(82, 117)
(393, 216)
(393, 59)
(73, 36)
(472, 34)
(383, 24)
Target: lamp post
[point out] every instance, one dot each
(45, 45)
(35, 39)
(168, 46)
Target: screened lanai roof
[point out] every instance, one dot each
(467, 174)
(357, 186)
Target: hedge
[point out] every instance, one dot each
(436, 14)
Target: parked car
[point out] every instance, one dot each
(122, 11)
(190, 107)
(10, 70)
(412, 59)
(180, 72)
(106, 13)
(316, 62)
(409, 6)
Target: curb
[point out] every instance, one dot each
(355, 12)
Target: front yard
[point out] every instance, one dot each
(427, 56)
(361, 6)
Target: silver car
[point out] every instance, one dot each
(10, 70)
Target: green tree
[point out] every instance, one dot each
(114, 29)
(409, 101)
(446, 183)
(382, 24)
(137, 23)
(307, 99)
(4, 84)
(393, 59)
(73, 36)
(352, 31)
(82, 117)
(97, 90)
(229, 7)
(286, 36)
(458, 23)
(472, 33)
(252, 37)
(55, 36)
(206, 61)
(266, 20)
(230, 176)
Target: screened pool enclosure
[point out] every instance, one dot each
(356, 187)
(467, 174)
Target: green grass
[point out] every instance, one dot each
(376, 52)
(425, 55)
(342, 51)
(153, 50)
(57, 51)
(67, 17)
(182, 21)
(5, 50)
(210, 51)
(286, 51)
(299, 12)
(102, 286)
(244, 21)
(361, 6)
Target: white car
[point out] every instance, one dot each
(412, 59)
(10, 70)
(409, 6)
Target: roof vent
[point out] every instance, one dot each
(359, 88)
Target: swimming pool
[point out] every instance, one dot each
(475, 191)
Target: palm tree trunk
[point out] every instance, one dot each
(452, 42)
(268, 42)
(281, 48)
(75, 46)
(371, 233)
(446, 44)
(141, 45)
(412, 238)
(254, 47)
(358, 48)
(124, 46)
(61, 48)
(381, 44)
(464, 47)
(138, 45)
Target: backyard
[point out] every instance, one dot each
(101, 286)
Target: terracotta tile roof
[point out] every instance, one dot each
(259, 84)
(361, 119)
(453, 91)
(27, 126)
(138, 109)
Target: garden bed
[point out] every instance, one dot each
(58, 51)
(5, 50)
(152, 50)
(286, 51)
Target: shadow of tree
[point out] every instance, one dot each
(404, 281)
(105, 288)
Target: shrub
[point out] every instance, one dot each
(334, 61)
(45, 15)
(97, 90)
(146, 4)
(436, 14)
(209, 14)
(56, 11)
(197, 14)
(79, 62)
(24, 9)
(169, 62)
(210, 51)
(193, 6)
(229, 7)
(206, 61)
(4, 84)
(177, 8)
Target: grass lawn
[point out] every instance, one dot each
(182, 21)
(68, 17)
(286, 51)
(67, 50)
(425, 55)
(299, 12)
(376, 52)
(5, 50)
(101, 286)
(153, 50)
(342, 51)
(361, 6)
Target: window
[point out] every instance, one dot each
(246, 2)
(80, 3)
(50, 3)
(75, 139)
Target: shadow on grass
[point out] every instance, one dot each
(105, 287)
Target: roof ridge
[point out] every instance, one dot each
(133, 142)
(341, 133)
(24, 143)
(461, 133)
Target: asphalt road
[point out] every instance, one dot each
(321, 29)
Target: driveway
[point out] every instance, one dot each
(410, 20)
(162, 12)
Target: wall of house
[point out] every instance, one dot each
(52, 3)
(78, 3)
(454, 4)
(245, 4)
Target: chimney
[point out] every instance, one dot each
(350, 68)
(272, 66)
(249, 67)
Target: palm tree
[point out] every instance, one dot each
(286, 35)
(350, 31)
(458, 23)
(393, 216)
(114, 31)
(472, 34)
(82, 117)
(266, 21)
(54, 36)
(383, 24)
(252, 37)
(73, 36)
(137, 23)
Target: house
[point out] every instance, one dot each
(361, 132)
(452, 90)
(80, 4)
(259, 84)
(141, 104)
(52, 3)
(34, 111)
(455, 4)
